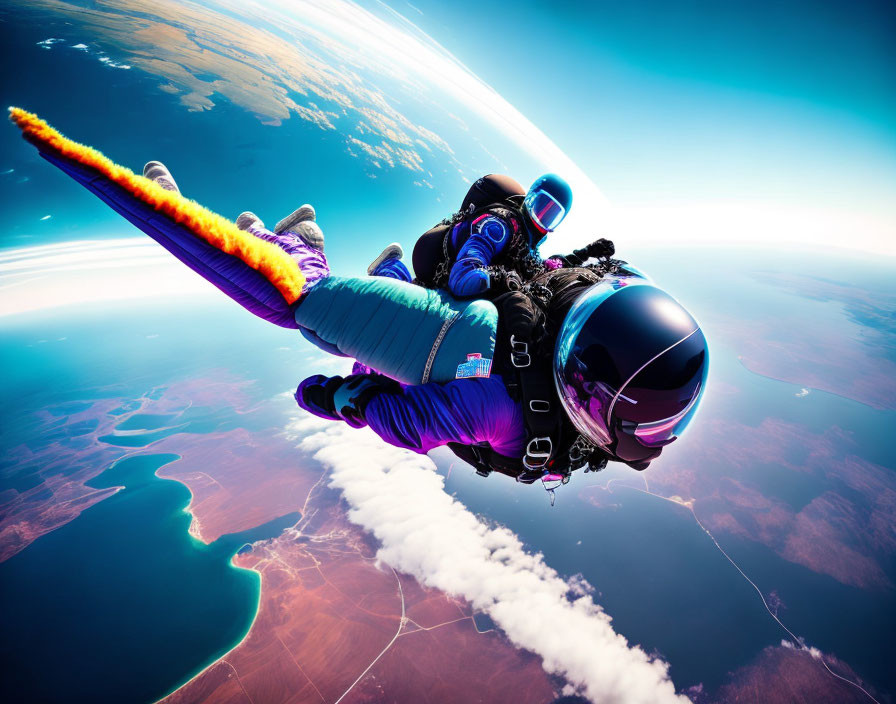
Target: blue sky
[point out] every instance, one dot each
(702, 121)
(705, 110)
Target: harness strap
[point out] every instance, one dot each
(523, 319)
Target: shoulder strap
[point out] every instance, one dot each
(522, 321)
(541, 414)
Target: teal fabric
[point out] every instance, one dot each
(393, 326)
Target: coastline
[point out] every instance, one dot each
(194, 521)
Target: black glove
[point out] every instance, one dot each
(599, 249)
(356, 391)
(346, 398)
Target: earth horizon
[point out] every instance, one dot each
(173, 528)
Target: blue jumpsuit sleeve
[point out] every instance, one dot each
(465, 411)
(468, 277)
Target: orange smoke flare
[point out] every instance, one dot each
(265, 257)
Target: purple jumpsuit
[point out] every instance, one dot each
(476, 411)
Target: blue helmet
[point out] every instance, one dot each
(548, 201)
(630, 368)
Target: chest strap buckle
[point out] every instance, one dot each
(519, 353)
(538, 452)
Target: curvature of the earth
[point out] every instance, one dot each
(112, 352)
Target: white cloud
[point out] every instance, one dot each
(398, 496)
(113, 64)
(79, 272)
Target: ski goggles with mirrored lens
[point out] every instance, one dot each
(544, 209)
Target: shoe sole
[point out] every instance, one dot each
(301, 214)
(310, 234)
(392, 251)
(248, 219)
(158, 172)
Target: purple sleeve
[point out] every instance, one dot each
(465, 411)
(312, 262)
(490, 235)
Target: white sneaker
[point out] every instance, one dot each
(302, 214)
(310, 233)
(248, 219)
(158, 172)
(393, 251)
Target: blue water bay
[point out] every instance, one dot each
(126, 572)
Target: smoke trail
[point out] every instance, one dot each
(398, 496)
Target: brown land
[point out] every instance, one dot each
(238, 479)
(839, 533)
(204, 56)
(58, 451)
(781, 675)
(795, 348)
(331, 624)
(331, 620)
(61, 448)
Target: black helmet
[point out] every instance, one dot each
(630, 368)
(548, 201)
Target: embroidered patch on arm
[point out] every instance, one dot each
(475, 366)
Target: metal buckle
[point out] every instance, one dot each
(519, 354)
(580, 449)
(537, 453)
(539, 406)
(539, 290)
(552, 482)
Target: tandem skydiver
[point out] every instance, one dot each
(581, 366)
(495, 234)
(490, 245)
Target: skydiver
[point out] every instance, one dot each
(495, 234)
(490, 245)
(527, 414)
(496, 231)
(580, 367)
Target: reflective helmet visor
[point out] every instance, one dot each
(585, 371)
(661, 399)
(544, 209)
(629, 359)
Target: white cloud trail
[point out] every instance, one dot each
(399, 497)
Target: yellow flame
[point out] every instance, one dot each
(265, 257)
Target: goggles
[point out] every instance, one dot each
(544, 210)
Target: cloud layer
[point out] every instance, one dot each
(92, 271)
(398, 496)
